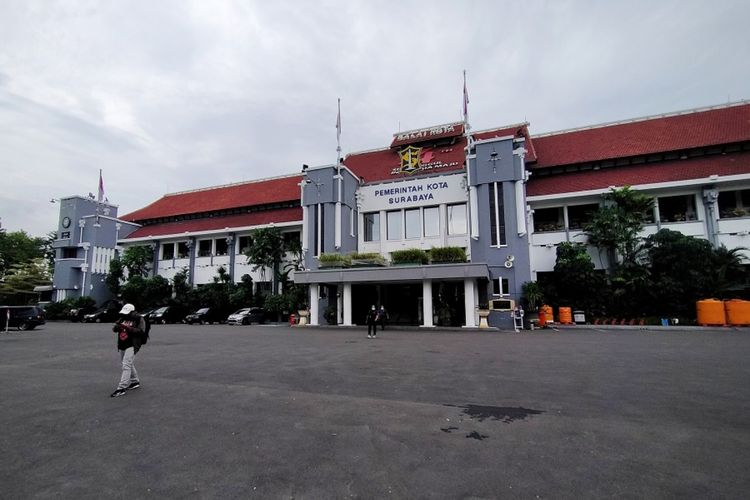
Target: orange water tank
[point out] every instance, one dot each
(710, 312)
(737, 312)
(549, 315)
(565, 315)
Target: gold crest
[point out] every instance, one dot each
(410, 159)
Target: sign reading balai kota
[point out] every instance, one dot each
(414, 193)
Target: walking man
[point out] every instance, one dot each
(130, 329)
(372, 325)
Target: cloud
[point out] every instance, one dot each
(174, 95)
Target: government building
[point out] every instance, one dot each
(497, 201)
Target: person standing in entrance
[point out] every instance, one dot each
(382, 317)
(130, 329)
(372, 325)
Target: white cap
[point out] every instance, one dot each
(127, 309)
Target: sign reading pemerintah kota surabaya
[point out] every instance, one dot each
(422, 192)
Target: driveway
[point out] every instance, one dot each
(279, 412)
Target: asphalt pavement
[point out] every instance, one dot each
(323, 413)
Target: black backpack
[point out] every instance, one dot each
(146, 329)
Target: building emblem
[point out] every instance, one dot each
(410, 159)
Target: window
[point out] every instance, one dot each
(69, 253)
(394, 225)
(580, 215)
(497, 215)
(222, 247)
(501, 286)
(734, 204)
(677, 208)
(372, 226)
(167, 251)
(431, 221)
(292, 238)
(204, 248)
(548, 219)
(457, 219)
(183, 250)
(245, 243)
(263, 288)
(319, 229)
(412, 226)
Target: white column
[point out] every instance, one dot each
(427, 304)
(314, 294)
(520, 208)
(473, 213)
(347, 306)
(469, 303)
(520, 193)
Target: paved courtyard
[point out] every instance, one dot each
(278, 412)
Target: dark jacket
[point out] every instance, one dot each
(371, 315)
(130, 331)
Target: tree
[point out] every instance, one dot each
(146, 292)
(115, 276)
(616, 226)
(267, 252)
(18, 247)
(17, 286)
(685, 269)
(137, 260)
(576, 281)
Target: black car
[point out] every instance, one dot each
(77, 313)
(21, 317)
(106, 314)
(166, 314)
(205, 315)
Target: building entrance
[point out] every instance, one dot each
(403, 301)
(448, 303)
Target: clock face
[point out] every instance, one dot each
(66, 222)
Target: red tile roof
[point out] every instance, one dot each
(253, 193)
(645, 136)
(645, 173)
(219, 223)
(384, 164)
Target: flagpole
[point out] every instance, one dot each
(337, 214)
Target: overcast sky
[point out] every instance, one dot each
(173, 95)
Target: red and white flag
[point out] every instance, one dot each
(100, 196)
(338, 125)
(466, 100)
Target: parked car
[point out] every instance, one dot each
(77, 313)
(166, 314)
(246, 316)
(205, 315)
(105, 314)
(21, 317)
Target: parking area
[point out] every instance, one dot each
(278, 412)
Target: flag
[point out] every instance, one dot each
(466, 99)
(100, 196)
(338, 125)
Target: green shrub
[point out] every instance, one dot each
(409, 256)
(334, 259)
(368, 258)
(447, 254)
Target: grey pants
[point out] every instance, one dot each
(129, 375)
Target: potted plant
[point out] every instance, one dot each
(333, 260)
(369, 259)
(409, 257)
(445, 255)
(532, 297)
